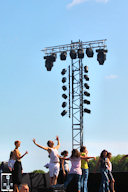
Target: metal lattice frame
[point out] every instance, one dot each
(76, 85)
(77, 103)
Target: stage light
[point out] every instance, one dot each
(48, 64)
(80, 53)
(53, 57)
(49, 61)
(64, 96)
(63, 112)
(63, 71)
(89, 52)
(86, 93)
(87, 110)
(73, 54)
(63, 55)
(64, 104)
(86, 69)
(86, 77)
(86, 102)
(86, 85)
(101, 56)
(64, 88)
(64, 79)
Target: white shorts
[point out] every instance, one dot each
(54, 169)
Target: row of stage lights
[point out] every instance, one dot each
(86, 93)
(64, 87)
(50, 59)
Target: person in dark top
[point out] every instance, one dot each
(64, 168)
(17, 170)
(103, 162)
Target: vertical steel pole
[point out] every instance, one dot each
(81, 102)
(72, 71)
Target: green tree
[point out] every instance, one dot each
(38, 171)
(117, 165)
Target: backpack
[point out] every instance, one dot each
(11, 161)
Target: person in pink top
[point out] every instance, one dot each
(75, 170)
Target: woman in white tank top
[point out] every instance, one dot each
(54, 160)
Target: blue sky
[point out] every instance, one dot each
(30, 97)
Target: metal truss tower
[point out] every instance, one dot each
(77, 103)
(76, 92)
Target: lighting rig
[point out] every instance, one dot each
(76, 75)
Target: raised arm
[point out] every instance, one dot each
(58, 143)
(45, 148)
(125, 156)
(86, 158)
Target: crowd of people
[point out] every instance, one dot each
(59, 172)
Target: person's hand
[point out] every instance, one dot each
(57, 138)
(34, 141)
(26, 152)
(64, 173)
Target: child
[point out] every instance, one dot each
(75, 170)
(103, 161)
(84, 167)
(64, 168)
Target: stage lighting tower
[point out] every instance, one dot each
(78, 94)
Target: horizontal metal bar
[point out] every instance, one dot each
(75, 45)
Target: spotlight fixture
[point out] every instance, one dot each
(63, 71)
(64, 104)
(86, 77)
(86, 93)
(63, 113)
(63, 55)
(64, 88)
(86, 85)
(48, 64)
(80, 53)
(89, 52)
(101, 56)
(64, 79)
(86, 102)
(49, 61)
(86, 69)
(87, 110)
(73, 54)
(64, 96)
(53, 57)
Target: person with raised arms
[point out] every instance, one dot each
(54, 164)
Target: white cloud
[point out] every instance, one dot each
(76, 2)
(111, 76)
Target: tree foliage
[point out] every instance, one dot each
(38, 171)
(117, 165)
